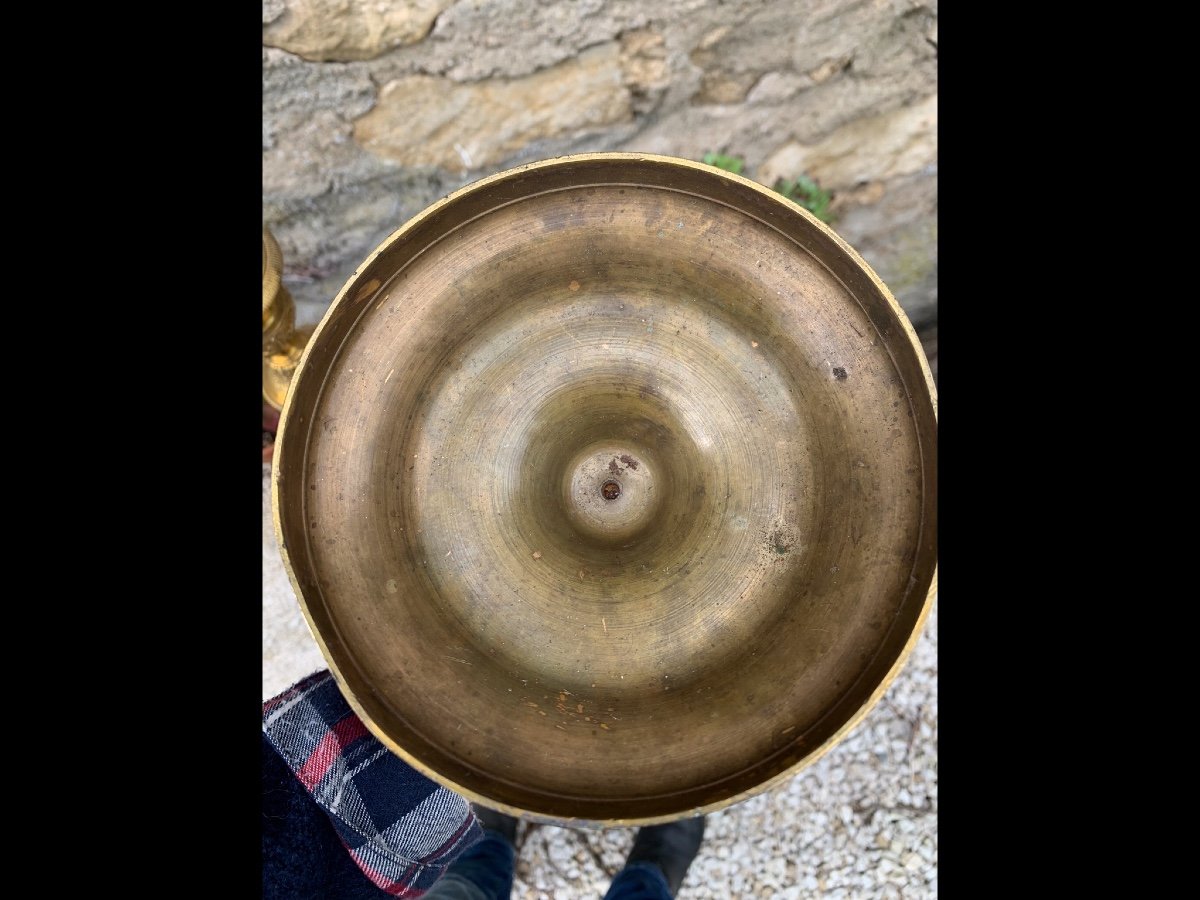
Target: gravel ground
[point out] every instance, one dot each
(859, 824)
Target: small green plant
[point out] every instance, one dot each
(807, 193)
(801, 189)
(728, 163)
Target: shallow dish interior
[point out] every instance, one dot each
(608, 488)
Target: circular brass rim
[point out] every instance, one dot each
(898, 317)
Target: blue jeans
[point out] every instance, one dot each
(485, 872)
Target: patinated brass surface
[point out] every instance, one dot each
(607, 485)
(283, 343)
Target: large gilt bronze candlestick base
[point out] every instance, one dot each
(283, 343)
(608, 487)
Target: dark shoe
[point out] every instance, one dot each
(506, 826)
(671, 847)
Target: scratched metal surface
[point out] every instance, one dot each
(608, 488)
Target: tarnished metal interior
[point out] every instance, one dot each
(608, 487)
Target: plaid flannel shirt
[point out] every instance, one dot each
(400, 828)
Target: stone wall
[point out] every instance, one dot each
(373, 110)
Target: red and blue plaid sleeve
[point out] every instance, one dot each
(400, 828)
